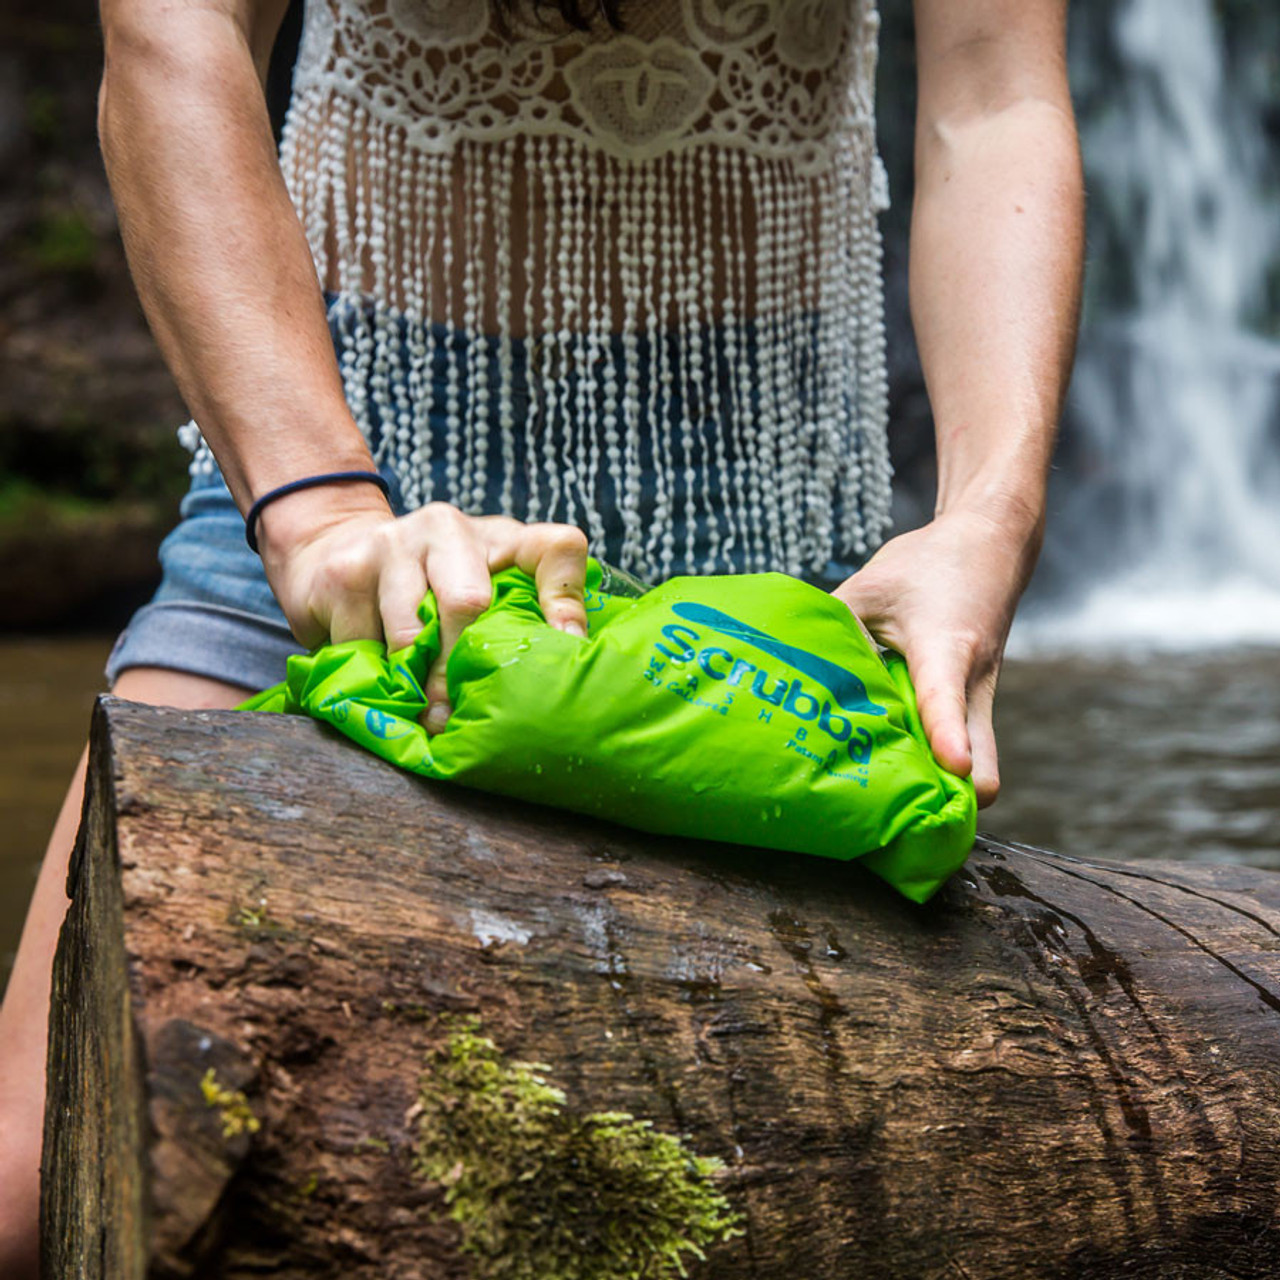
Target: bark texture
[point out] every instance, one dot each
(1059, 1068)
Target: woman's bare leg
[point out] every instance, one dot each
(24, 1015)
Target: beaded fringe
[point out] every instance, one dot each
(794, 437)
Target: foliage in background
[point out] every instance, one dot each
(87, 409)
(86, 404)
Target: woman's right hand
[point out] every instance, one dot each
(241, 321)
(343, 567)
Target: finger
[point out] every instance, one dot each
(311, 629)
(400, 591)
(355, 617)
(982, 736)
(346, 597)
(458, 575)
(877, 625)
(869, 593)
(555, 556)
(862, 626)
(501, 536)
(939, 681)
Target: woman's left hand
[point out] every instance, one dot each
(943, 596)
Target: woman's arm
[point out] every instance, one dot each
(996, 259)
(217, 253)
(226, 278)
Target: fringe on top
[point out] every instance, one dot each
(654, 256)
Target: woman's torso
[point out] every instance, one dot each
(474, 150)
(633, 273)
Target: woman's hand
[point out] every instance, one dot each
(943, 596)
(344, 568)
(996, 258)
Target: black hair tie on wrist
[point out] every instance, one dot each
(307, 482)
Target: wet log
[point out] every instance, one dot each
(1058, 1068)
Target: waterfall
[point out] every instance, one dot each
(1165, 507)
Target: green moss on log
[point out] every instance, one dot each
(541, 1193)
(232, 1106)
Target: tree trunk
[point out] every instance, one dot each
(1058, 1068)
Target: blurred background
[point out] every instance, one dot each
(1139, 713)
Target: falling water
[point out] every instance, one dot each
(1165, 510)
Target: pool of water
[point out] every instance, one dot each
(1167, 757)
(47, 689)
(1174, 756)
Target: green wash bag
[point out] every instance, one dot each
(748, 708)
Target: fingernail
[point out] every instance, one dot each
(437, 716)
(574, 628)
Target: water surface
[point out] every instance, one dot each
(47, 689)
(1171, 756)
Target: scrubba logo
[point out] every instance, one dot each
(846, 689)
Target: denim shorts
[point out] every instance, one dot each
(214, 614)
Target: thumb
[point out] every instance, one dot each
(939, 680)
(986, 765)
(864, 609)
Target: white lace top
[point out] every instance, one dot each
(682, 214)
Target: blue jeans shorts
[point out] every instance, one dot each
(214, 614)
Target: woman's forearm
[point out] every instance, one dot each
(996, 260)
(217, 253)
(996, 255)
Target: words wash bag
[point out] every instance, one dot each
(748, 708)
